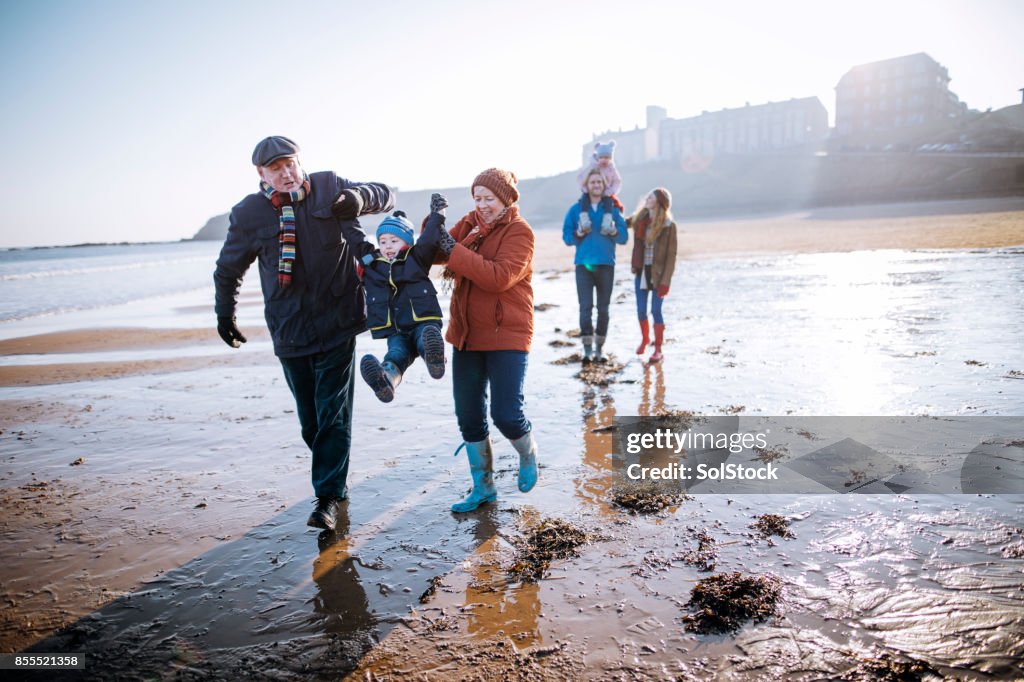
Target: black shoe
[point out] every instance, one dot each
(433, 351)
(374, 376)
(326, 513)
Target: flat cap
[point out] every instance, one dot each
(272, 148)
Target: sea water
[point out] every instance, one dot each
(51, 281)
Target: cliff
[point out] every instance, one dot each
(978, 158)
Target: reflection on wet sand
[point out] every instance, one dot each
(474, 615)
(493, 607)
(340, 606)
(652, 398)
(280, 600)
(594, 484)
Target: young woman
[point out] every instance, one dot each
(490, 262)
(653, 262)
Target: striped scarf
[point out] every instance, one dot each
(282, 201)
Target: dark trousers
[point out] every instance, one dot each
(323, 385)
(505, 372)
(406, 346)
(589, 278)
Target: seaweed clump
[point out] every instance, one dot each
(549, 540)
(648, 497)
(431, 589)
(600, 373)
(723, 602)
(680, 420)
(705, 556)
(568, 360)
(1014, 551)
(888, 668)
(773, 524)
(768, 455)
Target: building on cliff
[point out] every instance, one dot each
(794, 124)
(896, 93)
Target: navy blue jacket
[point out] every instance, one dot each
(399, 293)
(325, 304)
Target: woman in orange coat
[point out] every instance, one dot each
(490, 262)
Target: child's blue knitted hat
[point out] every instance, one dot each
(604, 149)
(398, 225)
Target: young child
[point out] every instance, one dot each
(602, 160)
(401, 302)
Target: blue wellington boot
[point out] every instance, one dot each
(481, 468)
(527, 449)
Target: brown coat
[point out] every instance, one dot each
(664, 251)
(492, 301)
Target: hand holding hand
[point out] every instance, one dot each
(446, 243)
(228, 330)
(438, 203)
(662, 290)
(348, 205)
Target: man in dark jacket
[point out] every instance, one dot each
(303, 230)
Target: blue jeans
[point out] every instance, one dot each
(505, 371)
(641, 303)
(406, 346)
(588, 278)
(323, 385)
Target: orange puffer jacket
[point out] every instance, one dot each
(492, 301)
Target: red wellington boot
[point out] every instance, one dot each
(659, 338)
(645, 336)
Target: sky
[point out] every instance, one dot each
(135, 121)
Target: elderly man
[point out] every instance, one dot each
(303, 230)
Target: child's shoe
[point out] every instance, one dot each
(383, 379)
(433, 351)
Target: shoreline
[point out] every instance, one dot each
(869, 211)
(833, 230)
(958, 224)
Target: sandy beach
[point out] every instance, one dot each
(155, 487)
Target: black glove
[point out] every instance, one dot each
(447, 242)
(228, 331)
(349, 205)
(438, 203)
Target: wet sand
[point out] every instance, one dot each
(955, 224)
(177, 541)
